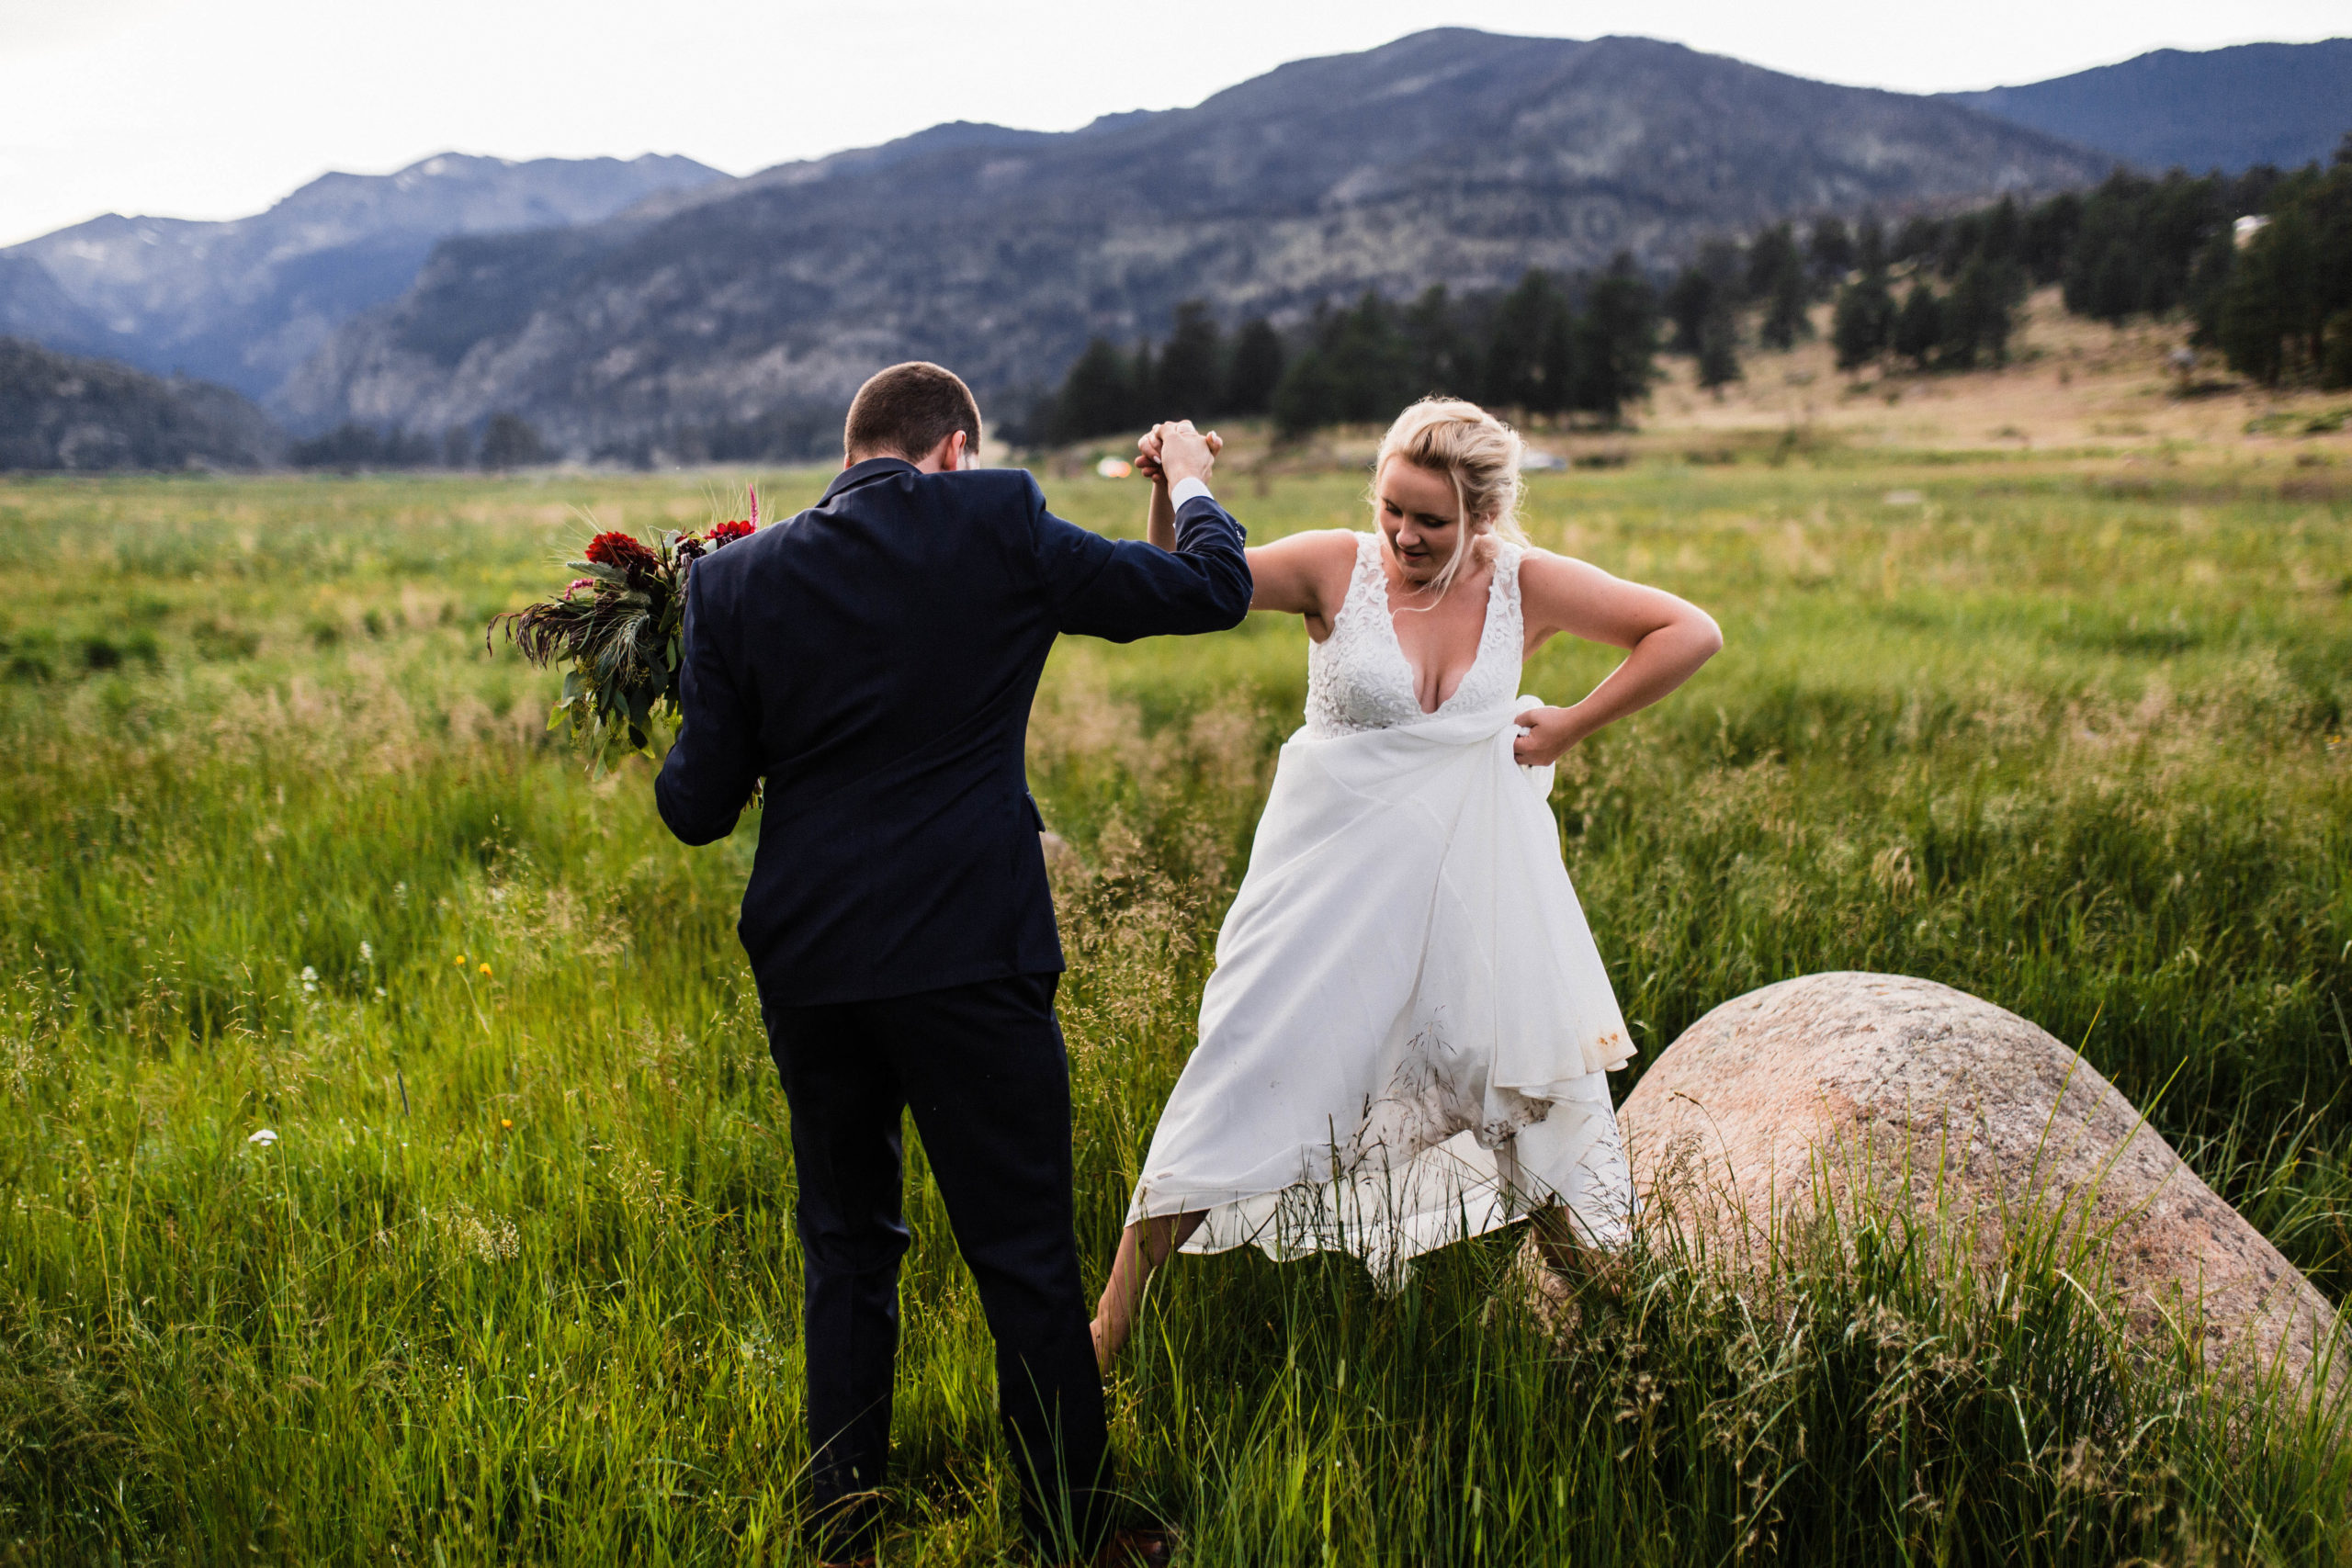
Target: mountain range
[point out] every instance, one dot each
(245, 301)
(620, 305)
(2283, 104)
(1450, 155)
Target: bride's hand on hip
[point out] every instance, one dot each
(1545, 735)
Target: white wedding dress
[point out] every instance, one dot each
(1405, 1037)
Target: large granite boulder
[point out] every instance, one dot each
(1799, 1093)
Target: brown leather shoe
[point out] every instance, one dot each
(1138, 1548)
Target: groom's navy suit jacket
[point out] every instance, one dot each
(874, 659)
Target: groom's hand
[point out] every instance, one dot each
(1184, 453)
(1148, 454)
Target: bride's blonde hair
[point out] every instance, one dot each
(1470, 447)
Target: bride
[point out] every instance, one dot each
(1406, 1038)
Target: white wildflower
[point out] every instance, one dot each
(264, 1137)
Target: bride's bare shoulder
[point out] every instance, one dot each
(1305, 573)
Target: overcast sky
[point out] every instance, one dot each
(215, 109)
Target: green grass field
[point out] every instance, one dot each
(286, 848)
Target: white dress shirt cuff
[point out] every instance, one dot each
(1183, 491)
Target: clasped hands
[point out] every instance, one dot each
(1172, 453)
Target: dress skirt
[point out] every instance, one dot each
(1406, 1039)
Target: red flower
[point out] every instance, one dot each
(725, 533)
(622, 551)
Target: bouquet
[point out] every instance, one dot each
(619, 625)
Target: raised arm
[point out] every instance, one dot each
(1159, 506)
(1305, 574)
(1668, 639)
(708, 777)
(1121, 589)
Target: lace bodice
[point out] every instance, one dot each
(1358, 677)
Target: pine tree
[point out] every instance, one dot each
(1191, 380)
(1776, 275)
(1918, 239)
(1870, 245)
(2209, 284)
(1310, 395)
(1785, 318)
(2336, 346)
(1919, 327)
(1143, 388)
(2002, 234)
(1831, 250)
(2256, 329)
(1098, 395)
(1691, 304)
(1616, 342)
(1256, 368)
(1523, 323)
(1976, 317)
(1718, 351)
(2047, 235)
(1557, 370)
(1769, 259)
(1864, 322)
(1443, 364)
(1372, 362)
(510, 441)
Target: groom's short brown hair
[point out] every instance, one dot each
(907, 411)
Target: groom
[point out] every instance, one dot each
(874, 659)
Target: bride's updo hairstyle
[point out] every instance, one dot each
(1470, 447)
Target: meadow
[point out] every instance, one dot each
(391, 1170)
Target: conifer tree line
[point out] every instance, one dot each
(1550, 347)
(2276, 305)
(1928, 293)
(508, 441)
(2279, 306)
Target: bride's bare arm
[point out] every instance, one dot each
(1668, 637)
(1305, 574)
(1160, 510)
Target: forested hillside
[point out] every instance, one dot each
(61, 411)
(2261, 264)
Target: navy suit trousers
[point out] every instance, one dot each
(982, 1068)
